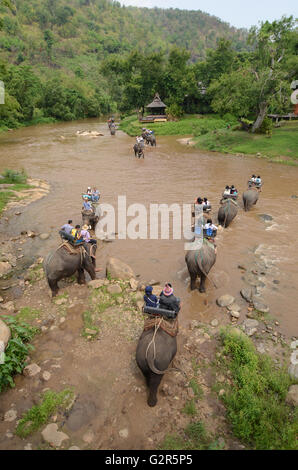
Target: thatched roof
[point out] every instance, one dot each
(156, 103)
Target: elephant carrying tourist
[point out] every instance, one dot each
(155, 352)
(199, 263)
(139, 149)
(113, 129)
(250, 197)
(149, 138)
(227, 212)
(91, 218)
(68, 260)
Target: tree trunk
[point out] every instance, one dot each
(262, 114)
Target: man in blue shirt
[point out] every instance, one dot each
(87, 205)
(67, 228)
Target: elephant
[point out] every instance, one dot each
(227, 212)
(250, 197)
(112, 129)
(152, 368)
(91, 218)
(199, 263)
(139, 150)
(61, 263)
(149, 138)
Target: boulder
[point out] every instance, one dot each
(44, 236)
(31, 370)
(96, 283)
(250, 326)
(9, 306)
(54, 437)
(225, 300)
(234, 314)
(5, 268)
(214, 322)
(10, 415)
(234, 308)
(247, 293)
(293, 371)
(114, 289)
(260, 306)
(292, 396)
(133, 284)
(5, 335)
(119, 270)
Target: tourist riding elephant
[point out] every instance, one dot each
(149, 138)
(227, 212)
(61, 264)
(91, 218)
(139, 150)
(250, 197)
(153, 368)
(199, 263)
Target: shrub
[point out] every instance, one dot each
(255, 400)
(14, 177)
(266, 127)
(16, 351)
(175, 111)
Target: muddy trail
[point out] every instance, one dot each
(95, 354)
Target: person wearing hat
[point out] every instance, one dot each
(150, 299)
(167, 299)
(87, 205)
(86, 235)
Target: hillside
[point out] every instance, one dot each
(93, 29)
(59, 49)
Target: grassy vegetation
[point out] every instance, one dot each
(19, 182)
(211, 133)
(281, 147)
(17, 350)
(38, 415)
(195, 125)
(255, 399)
(27, 314)
(195, 437)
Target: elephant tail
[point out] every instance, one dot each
(150, 361)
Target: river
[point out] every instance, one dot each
(170, 173)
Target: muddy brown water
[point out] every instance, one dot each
(170, 173)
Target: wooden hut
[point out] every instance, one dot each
(157, 110)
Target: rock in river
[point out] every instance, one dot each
(119, 270)
(53, 436)
(225, 300)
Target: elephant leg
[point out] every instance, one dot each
(154, 381)
(54, 287)
(81, 276)
(193, 278)
(202, 283)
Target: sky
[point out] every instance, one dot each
(242, 14)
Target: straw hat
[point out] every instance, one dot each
(85, 227)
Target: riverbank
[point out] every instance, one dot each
(216, 134)
(17, 189)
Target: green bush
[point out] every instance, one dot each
(266, 127)
(175, 111)
(255, 400)
(14, 177)
(16, 351)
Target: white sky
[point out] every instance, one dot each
(241, 14)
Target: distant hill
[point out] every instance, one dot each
(86, 31)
